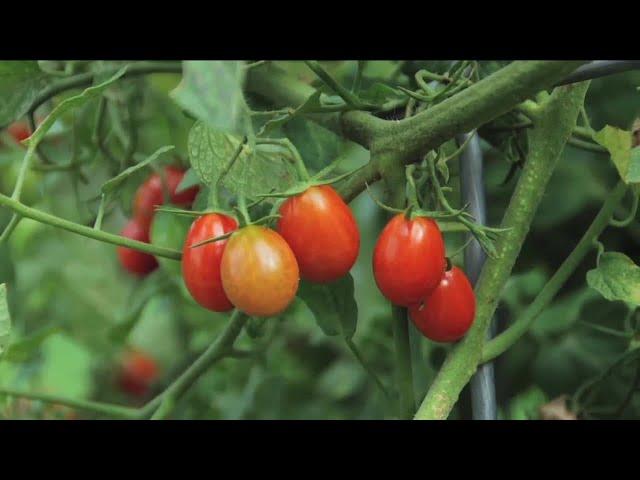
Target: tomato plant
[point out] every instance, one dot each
(259, 271)
(446, 313)
(322, 232)
(201, 266)
(302, 214)
(409, 259)
(134, 261)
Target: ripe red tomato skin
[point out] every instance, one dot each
(201, 265)
(448, 312)
(137, 373)
(408, 259)
(259, 271)
(322, 232)
(134, 261)
(150, 194)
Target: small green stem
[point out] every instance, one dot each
(403, 361)
(42, 217)
(216, 351)
(502, 342)
(328, 80)
(87, 405)
(366, 366)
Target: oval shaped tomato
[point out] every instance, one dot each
(135, 261)
(137, 373)
(170, 231)
(259, 271)
(446, 314)
(150, 194)
(201, 265)
(322, 232)
(409, 259)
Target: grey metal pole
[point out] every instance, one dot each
(600, 68)
(483, 391)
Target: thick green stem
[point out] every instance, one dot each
(86, 405)
(414, 136)
(554, 123)
(216, 351)
(507, 338)
(404, 371)
(42, 217)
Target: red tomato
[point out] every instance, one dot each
(448, 312)
(259, 271)
(137, 373)
(201, 265)
(150, 194)
(322, 232)
(409, 259)
(135, 261)
(19, 131)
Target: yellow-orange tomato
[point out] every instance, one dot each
(259, 271)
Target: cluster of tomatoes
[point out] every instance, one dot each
(257, 269)
(149, 195)
(410, 269)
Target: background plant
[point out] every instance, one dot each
(568, 302)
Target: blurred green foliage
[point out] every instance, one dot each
(68, 295)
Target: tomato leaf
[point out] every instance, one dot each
(333, 305)
(253, 172)
(189, 180)
(115, 182)
(616, 278)
(20, 83)
(618, 143)
(212, 92)
(5, 320)
(379, 94)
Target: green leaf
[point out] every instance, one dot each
(212, 91)
(253, 172)
(310, 104)
(332, 304)
(23, 349)
(5, 319)
(67, 104)
(316, 145)
(379, 94)
(112, 184)
(618, 143)
(20, 83)
(616, 277)
(189, 180)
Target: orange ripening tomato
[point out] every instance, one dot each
(409, 259)
(322, 232)
(448, 312)
(201, 265)
(259, 271)
(135, 261)
(150, 194)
